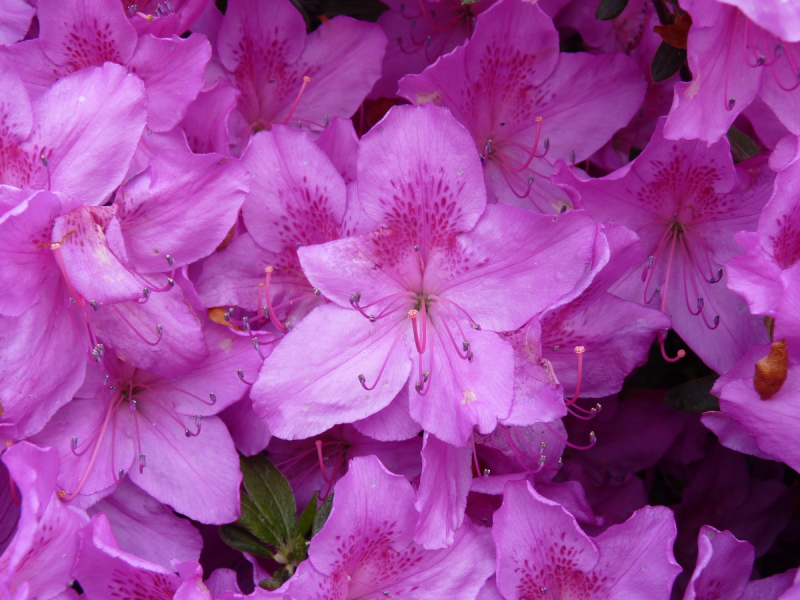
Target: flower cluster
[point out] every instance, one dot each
(471, 299)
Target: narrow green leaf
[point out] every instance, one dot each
(322, 515)
(667, 61)
(741, 145)
(271, 494)
(694, 396)
(609, 9)
(253, 520)
(306, 520)
(242, 540)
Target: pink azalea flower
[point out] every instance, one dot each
(145, 527)
(525, 104)
(37, 563)
(307, 204)
(85, 274)
(403, 296)
(366, 546)
(316, 464)
(723, 570)
(686, 200)
(287, 77)
(420, 32)
(157, 430)
(543, 553)
(615, 334)
(770, 423)
(104, 570)
(722, 493)
(98, 112)
(761, 274)
(69, 42)
(735, 60)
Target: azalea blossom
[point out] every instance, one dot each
(405, 296)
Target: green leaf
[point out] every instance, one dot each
(306, 520)
(322, 515)
(667, 61)
(694, 396)
(742, 146)
(254, 521)
(242, 540)
(609, 9)
(271, 495)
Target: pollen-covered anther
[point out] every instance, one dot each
(170, 260)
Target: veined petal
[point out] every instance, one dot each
(519, 259)
(206, 465)
(171, 84)
(297, 196)
(419, 174)
(26, 261)
(463, 393)
(97, 112)
(310, 381)
(183, 206)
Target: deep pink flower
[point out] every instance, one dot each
(525, 104)
(37, 563)
(69, 41)
(158, 431)
(686, 201)
(365, 548)
(405, 296)
(287, 77)
(734, 61)
(542, 552)
(419, 32)
(762, 273)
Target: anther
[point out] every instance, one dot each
(240, 374)
(487, 149)
(142, 462)
(170, 282)
(121, 473)
(731, 103)
(563, 209)
(717, 278)
(416, 248)
(159, 329)
(256, 343)
(475, 326)
(362, 379)
(246, 323)
(93, 304)
(145, 293)
(44, 159)
(544, 591)
(74, 443)
(317, 292)
(133, 406)
(486, 472)
(546, 144)
(502, 123)
(213, 397)
(572, 157)
(170, 260)
(425, 375)
(105, 381)
(700, 303)
(98, 351)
